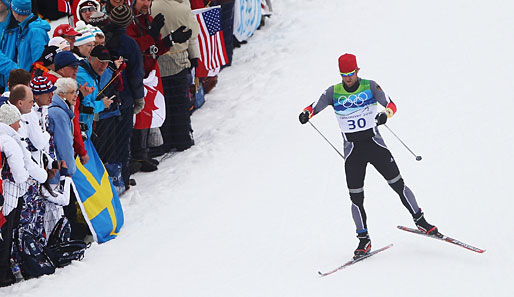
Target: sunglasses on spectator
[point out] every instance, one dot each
(86, 9)
(346, 74)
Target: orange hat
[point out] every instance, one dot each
(347, 63)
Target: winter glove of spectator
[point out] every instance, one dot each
(139, 104)
(194, 62)
(304, 117)
(179, 36)
(381, 118)
(155, 27)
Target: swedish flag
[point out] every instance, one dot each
(98, 200)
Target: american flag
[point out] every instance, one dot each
(210, 39)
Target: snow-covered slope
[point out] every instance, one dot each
(259, 204)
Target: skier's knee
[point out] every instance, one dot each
(357, 198)
(397, 184)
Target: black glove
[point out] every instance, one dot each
(381, 118)
(304, 117)
(194, 62)
(155, 27)
(179, 36)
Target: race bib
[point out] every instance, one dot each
(359, 120)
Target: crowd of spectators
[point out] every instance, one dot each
(83, 81)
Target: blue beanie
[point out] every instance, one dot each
(21, 7)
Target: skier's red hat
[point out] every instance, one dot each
(347, 63)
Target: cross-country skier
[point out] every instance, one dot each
(355, 104)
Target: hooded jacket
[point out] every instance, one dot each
(31, 41)
(177, 13)
(76, 10)
(8, 37)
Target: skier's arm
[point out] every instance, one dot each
(324, 100)
(383, 99)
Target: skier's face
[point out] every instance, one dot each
(350, 80)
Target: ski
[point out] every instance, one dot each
(353, 261)
(443, 238)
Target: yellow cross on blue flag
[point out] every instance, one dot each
(98, 198)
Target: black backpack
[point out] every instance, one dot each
(34, 260)
(60, 248)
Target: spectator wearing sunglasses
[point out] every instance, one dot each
(355, 104)
(84, 10)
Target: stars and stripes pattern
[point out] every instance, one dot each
(210, 38)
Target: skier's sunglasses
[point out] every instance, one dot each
(345, 74)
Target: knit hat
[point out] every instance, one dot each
(41, 85)
(65, 29)
(96, 30)
(9, 114)
(65, 58)
(21, 7)
(59, 42)
(347, 63)
(121, 15)
(48, 55)
(86, 37)
(98, 19)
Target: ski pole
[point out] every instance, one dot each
(326, 140)
(418, 158)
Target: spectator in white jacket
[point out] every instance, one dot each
(14, 174)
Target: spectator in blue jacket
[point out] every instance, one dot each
(33, 34)
(8, 34)
(23, 39)
(60, 122)
(90, 71)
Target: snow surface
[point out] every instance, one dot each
(259, 204)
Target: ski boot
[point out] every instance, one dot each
(364, 245)
(423, 225)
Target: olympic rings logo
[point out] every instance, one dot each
(353, 100)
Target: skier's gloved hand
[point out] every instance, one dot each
(381, 118)
(304, 117)
(155, 27)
